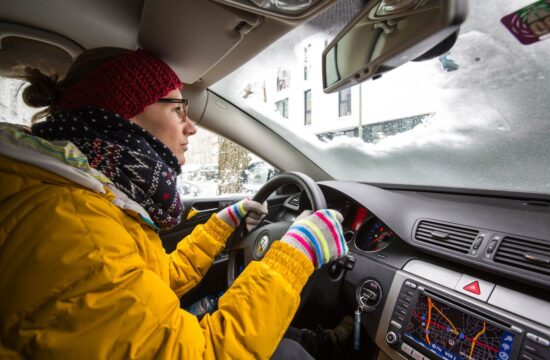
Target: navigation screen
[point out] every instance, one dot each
(452, 334)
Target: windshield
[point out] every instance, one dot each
(474, 118)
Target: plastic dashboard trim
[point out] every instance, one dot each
(401, 211)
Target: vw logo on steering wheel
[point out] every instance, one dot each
(262, 245)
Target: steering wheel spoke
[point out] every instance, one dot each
(254, 245)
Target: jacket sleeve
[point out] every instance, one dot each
(256, 311)
(195, 253)
(117, 308)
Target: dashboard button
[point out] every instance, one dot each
(406, 349)
(476, 288)
(417, 356)
(516, 329)
(410, 284)
(492, 246)
(543, 341)
(473, 288)
(398, 317)
(477, 242)
(403, 304)
(395, 324)
(401, 312)
(391, 338)
(532, 337)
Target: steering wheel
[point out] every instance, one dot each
(255, 244)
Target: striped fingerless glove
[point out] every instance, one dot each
(319, 236)
(234, 214)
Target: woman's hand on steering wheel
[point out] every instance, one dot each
(319, 236)
(251, 211)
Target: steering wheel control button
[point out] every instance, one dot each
(391, 338)
(475, 288)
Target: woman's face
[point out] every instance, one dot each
(165, 122)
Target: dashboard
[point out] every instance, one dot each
(447, 276)
(362, 229)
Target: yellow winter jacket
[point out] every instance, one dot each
(84, 276)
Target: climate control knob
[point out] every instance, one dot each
(391, 338)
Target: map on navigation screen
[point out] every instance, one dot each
(452, 334)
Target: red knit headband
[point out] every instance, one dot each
(125, 85)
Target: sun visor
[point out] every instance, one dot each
(23, 45)
(201, 42)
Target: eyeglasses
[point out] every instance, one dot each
(184, 102)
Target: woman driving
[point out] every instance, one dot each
(83, 194)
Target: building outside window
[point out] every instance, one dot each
(282, 107)
(344, 102)
(283, 79)
(307, 107)
(373, 133)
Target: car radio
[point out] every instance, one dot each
(426, 324)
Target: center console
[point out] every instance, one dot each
(425, 320)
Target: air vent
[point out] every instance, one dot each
(447, 236)
(528, 254)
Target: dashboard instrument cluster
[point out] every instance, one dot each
(368, 233)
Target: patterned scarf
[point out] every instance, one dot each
(136, 162)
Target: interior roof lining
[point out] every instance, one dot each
(119, 23)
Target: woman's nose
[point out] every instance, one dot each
(190, 128)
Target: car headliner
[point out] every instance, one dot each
(202, 40)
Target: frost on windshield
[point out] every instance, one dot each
(476, 117)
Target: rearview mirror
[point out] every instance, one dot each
(386, 34)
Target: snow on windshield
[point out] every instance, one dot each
(475, 118)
